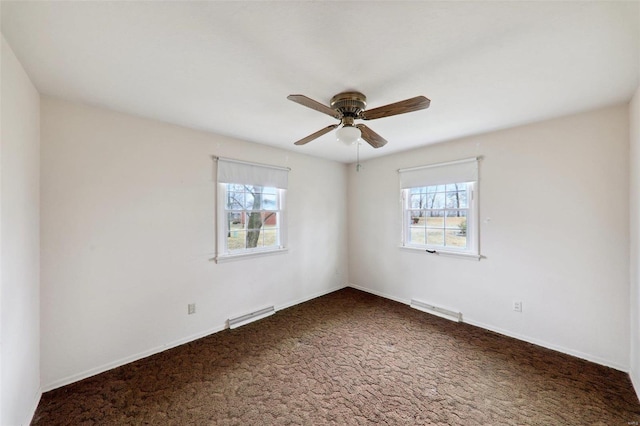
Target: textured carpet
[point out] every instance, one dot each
(349, 358)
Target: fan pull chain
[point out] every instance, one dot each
(358, 165)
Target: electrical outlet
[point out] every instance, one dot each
(517, 306)
(192, 308)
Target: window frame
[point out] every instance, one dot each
(473, 247)
(223, 253)
(242, 173)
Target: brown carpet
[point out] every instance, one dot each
(349, 358)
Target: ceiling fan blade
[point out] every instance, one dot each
(316, 135)
(372, 138)
(310, 103)
(408, 105)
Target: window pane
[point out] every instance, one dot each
(456, 200)
(235, 200)
(235, 220)
(435, 220)
(269, 190)
(436, 216)
(269, 219)
(270, 237)
(435, 188)
(417, 201)
(417, 218)
(236, 239)
(453, 187)
(249, 198)
(254, 220)
(269, 202)
(454, 238)
(436, 201)
(435, 237)
(417, 235)
(455, 218)
(456, 234)
(464, 200)
(252, 217)
(253, 238)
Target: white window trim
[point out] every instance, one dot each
(445, 253)
(473, 224)
(249, 254)
(222, 230)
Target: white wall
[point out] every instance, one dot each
(634, 197)
(554, 230)
(128, 234)
(20, 250)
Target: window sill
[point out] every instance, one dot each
(223, 258)
(446, 253)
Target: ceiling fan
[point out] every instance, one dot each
(350, 106)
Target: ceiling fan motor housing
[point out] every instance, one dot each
(349, 104)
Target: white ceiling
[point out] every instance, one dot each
(227, 67)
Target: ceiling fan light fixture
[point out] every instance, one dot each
(348, 135)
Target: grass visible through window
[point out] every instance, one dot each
(454, 235)
(237, 237)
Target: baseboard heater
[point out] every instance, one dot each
(250, 317)
(436, 310)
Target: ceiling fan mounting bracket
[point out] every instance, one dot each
(350, 104)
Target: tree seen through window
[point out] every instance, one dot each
(252, 216)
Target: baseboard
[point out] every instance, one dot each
(34, 406)
(542, 343)
(310, 297)
(378, 293)
(635, 380)
(518, 336)
(126, 360)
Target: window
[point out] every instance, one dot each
(437, 215)
(250, 214)
(253, 217)
(439, 208)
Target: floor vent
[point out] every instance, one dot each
(250, 317)
(436, 310)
